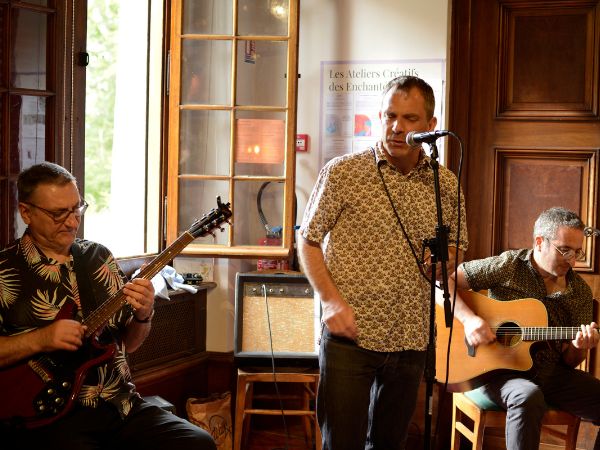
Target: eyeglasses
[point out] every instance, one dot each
(61, 215)
(578, 254)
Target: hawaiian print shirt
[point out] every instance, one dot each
(365, 250)
(33, 289)
(511, 276)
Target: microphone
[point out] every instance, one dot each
(590, 231)
(413, 138)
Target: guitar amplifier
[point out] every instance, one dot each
(276, 317)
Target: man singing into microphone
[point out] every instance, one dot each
(359, 246)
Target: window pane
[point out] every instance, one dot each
(3, 33)
(27, 119)
(37, 2)
(5, 210)
(204, 142)
(257, 218)
(28, 62)
(3, 153)
(263, 18)
(259, 143)
(197, 198)
(261, 77)
(117, 160)
(15, 223)
(207, 17)
(206, 72)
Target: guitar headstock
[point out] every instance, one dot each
(212, 220)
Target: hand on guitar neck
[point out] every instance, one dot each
(576, 351)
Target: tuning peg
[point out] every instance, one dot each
(207, 230)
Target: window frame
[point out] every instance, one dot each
(175, 107)
(62, 106)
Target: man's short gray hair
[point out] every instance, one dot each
(42, 173)
(550, 220)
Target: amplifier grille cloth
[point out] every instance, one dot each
(292, 324)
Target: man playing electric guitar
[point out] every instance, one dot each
(43, 299)
(545, 273)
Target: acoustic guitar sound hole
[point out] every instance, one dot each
(508, 334)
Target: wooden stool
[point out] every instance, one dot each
(244, 408)
(484, 413)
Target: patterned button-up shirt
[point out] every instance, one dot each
(33, 289)
(511, 276)
(365, 249)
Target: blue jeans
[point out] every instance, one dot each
(366, 399)
(526, 401)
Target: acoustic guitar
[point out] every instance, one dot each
(517, 324)
(44, 388)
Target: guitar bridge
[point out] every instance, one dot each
(470, 349)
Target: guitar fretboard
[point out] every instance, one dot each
(540, 333)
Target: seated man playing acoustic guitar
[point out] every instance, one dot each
(44, 275)
(545, 273)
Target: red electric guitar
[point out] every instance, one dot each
(44, 388)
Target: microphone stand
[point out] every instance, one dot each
(438, 248)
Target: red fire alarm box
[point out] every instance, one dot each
(302, 142)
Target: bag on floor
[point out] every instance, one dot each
(213, 414)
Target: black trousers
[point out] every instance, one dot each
(146, 426)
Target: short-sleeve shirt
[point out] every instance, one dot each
(34, 288)
(512, 276)
(365, 250)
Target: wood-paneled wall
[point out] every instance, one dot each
(524, 96)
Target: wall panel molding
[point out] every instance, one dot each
(528, 181)
(548, 60)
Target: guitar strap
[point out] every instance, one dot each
(86, 293)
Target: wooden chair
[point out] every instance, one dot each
(308, 378)
(486, 414)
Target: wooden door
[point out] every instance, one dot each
(524, 97)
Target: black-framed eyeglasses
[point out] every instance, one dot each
(578, 254)
(61, 215)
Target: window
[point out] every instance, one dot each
(122, 125)
(213, 114)
(232, 116)
(34, 116)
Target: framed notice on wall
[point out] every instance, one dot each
(351, 100)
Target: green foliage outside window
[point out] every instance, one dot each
(100, 100)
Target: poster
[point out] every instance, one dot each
(351, 100)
